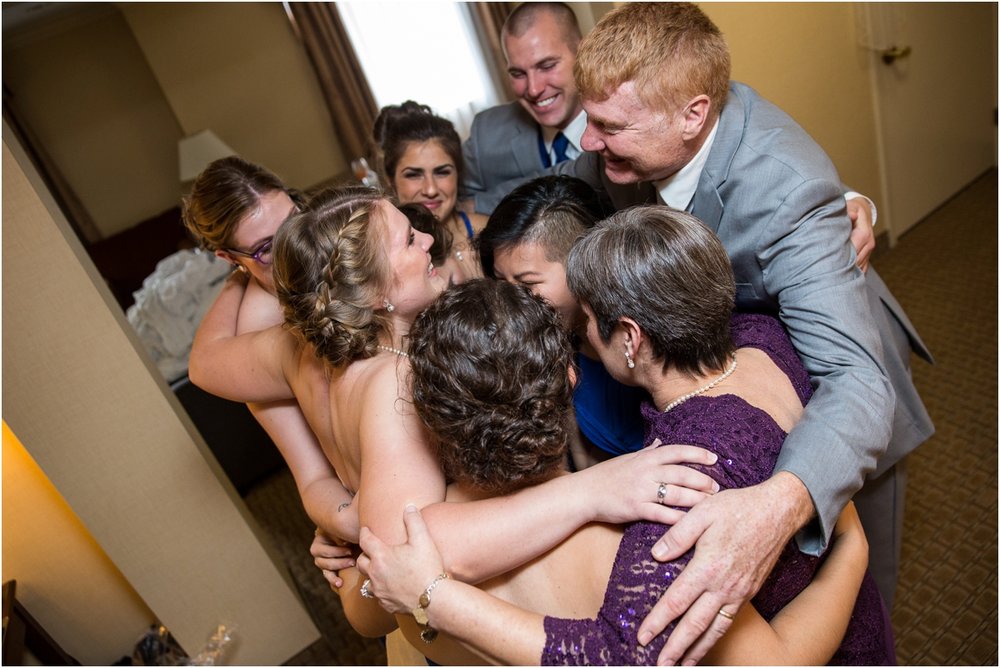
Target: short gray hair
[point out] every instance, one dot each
(666, 271)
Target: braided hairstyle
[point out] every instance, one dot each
(489, 365)
(329, 272)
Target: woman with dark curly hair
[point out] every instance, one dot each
(419, 158)
(658, 292)
(352, 275)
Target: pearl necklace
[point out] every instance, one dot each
(680, 400)
(390, 349)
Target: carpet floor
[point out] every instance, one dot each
(944, 273)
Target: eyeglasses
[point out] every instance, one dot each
(260, 255)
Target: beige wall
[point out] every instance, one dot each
(64, 578)
(83, 86)
(238, 69)
(805, 58)
(84, 399)
(109, 95)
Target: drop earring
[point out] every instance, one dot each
(629, 362)
(388, 305)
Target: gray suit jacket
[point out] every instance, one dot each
(502, 145)
(776, 202)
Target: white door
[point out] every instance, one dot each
(935, 101)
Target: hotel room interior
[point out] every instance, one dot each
(131, 499)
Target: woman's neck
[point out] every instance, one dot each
(396, 337)
(667, 387)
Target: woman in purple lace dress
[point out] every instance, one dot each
(658, 292)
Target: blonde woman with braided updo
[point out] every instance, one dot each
(352, 275)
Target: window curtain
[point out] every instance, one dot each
(342, 81)
(489, 17)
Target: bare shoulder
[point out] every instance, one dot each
(384, 381)
(259, 310)
(478, 221)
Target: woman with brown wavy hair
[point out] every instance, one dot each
(352, 275)
(419, 157)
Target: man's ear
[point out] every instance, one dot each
(696, 116)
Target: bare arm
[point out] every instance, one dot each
(485, 538)
(811, 627)
(482, 539)
(739, 534)
(243, 368)
(807, 631)
(504, 633)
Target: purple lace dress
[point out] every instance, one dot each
(747, 441)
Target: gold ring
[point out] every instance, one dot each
(727, 615)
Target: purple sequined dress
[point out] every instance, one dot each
(747, 441)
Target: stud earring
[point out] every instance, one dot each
(388, 306)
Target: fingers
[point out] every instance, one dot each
(676, 495)
(864, 246)
(333, 579)
(698, 631)
(654, 512)
(680, 538)
(368, 541)
(416, 529)
(677, 598)
(320, 549)
(364, 565)
(684, 454)
(684, 476)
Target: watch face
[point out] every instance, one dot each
(428, 635)
(420, 615)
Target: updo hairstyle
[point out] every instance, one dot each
(490, 378)
(224, 193)
(329, 272)
(666, 271)
(399, 125)
(553, 211)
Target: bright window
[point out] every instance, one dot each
(421, 51)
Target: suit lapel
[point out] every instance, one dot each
(524, 143)
(707, 203)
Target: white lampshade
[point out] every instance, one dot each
(197, 151)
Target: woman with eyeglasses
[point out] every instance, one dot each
(234, 210)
